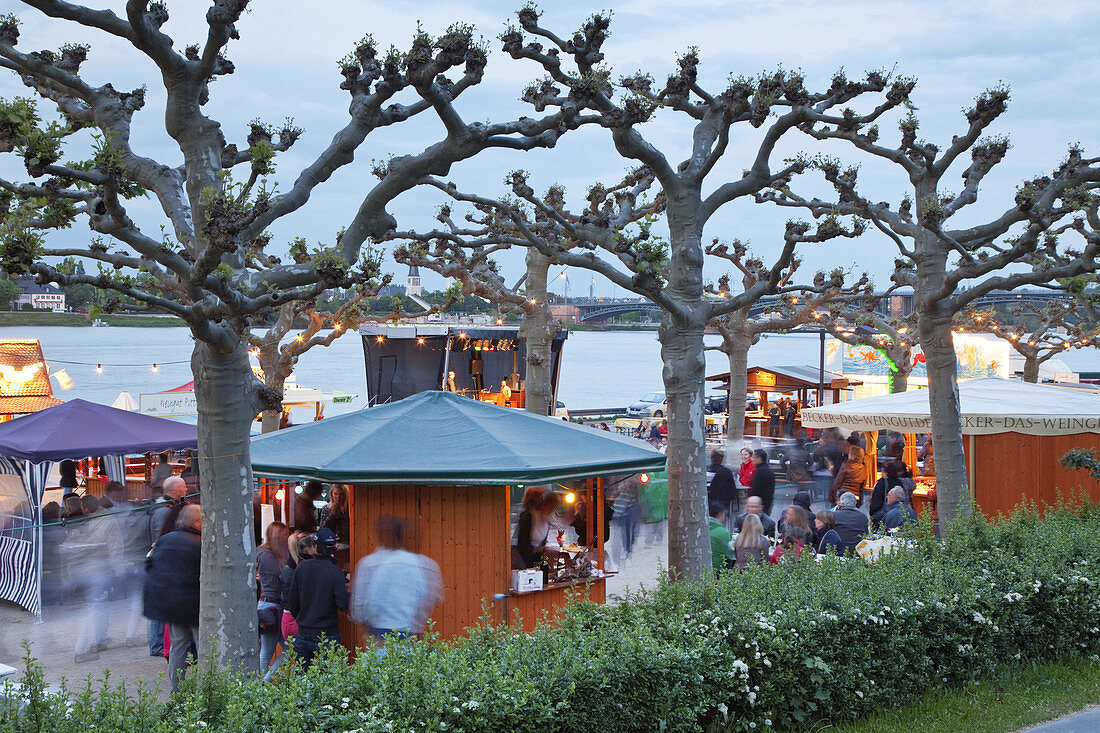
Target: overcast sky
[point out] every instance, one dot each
(287, 58)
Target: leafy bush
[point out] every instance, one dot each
(786, 647)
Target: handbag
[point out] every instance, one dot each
(290, 626)
(268, 614)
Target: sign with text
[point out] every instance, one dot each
(168, 404)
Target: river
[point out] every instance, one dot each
(599, 368)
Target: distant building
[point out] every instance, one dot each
(565, 313)
(40, 296)
(412, 282)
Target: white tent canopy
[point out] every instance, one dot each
(987, 406)
(125, 401)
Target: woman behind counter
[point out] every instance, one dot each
(534, 523)
(334, 515)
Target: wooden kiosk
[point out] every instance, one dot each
(799, 380)
(1013, 435)
(450, 466)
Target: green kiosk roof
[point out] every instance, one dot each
(442, 438)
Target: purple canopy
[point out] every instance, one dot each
(78, 429)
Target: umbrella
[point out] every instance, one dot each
(125, 402)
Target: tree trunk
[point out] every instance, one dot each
(899, 380)
(683, 372)
(737, 349)
(952, 491)
(225, 389)
(1031, 368)
(537, 331)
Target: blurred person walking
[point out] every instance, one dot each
(395, 590)
(172, 587)
(94, 550)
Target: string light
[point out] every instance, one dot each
(337, 327)
(420, 340)
(644, 478)
(570, 498)
(155, 369)
(98, 368)
(280, 494)
(500, 321)
(378, 339)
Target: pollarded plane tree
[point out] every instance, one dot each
(613, 236)
(1037, 334)
(891, 336)
(1019, 247)
(465, 253)
(776, 102)
(209, 268)
(797, 305)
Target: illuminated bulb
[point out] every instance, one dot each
(98, 368)
(379, 339)
(337, 327)
(280, 494)
(299, 338)
(500, 321)
(462, 335)
(570, 498)
(644, 478)
(532, 301)
(298, 489)
(420, 340)
(155, 369)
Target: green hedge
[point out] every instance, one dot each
(789, 646)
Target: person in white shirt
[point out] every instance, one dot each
(394, 590)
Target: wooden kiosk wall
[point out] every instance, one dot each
(463, 528)
(1007, 468)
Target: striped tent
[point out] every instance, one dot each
(30, 445)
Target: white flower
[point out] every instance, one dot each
(752, 724)
(860, 693)
(767, 721)
(723, 709)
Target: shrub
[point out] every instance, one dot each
(788, 647)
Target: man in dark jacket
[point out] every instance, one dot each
(172, 587)
(851, 523)
(317, 591)
(720, 486)
(898, 511)
(763, 480)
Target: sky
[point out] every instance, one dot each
(286, 66)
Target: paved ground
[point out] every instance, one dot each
(52, 644)
(1086, 721)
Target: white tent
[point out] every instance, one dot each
(987, 406)
(125, 402)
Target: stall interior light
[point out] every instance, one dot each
(378, 339)
(420, 340)
(298, 489)
(280, 494)
(570, 498)
(644, 478)
(462, 335)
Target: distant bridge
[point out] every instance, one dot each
(596, 310)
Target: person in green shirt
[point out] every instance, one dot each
(721, 554)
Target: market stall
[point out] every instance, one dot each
(796, 382)
(24, 379)
(30, 445)
(1013, 435)
(454, 468)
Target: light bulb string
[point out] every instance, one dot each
(104, 364)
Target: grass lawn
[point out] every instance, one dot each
(1015, 699)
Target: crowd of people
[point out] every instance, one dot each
(755, 537)
(106, 548)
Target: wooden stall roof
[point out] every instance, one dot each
(789, 378)
(24, 378)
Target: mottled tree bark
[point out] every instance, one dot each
(1031, 368)
(737, 347)
(537, 331)
(899, 380)
(225, 390)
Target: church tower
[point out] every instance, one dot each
(412, 282)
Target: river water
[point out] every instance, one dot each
(599, 368)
